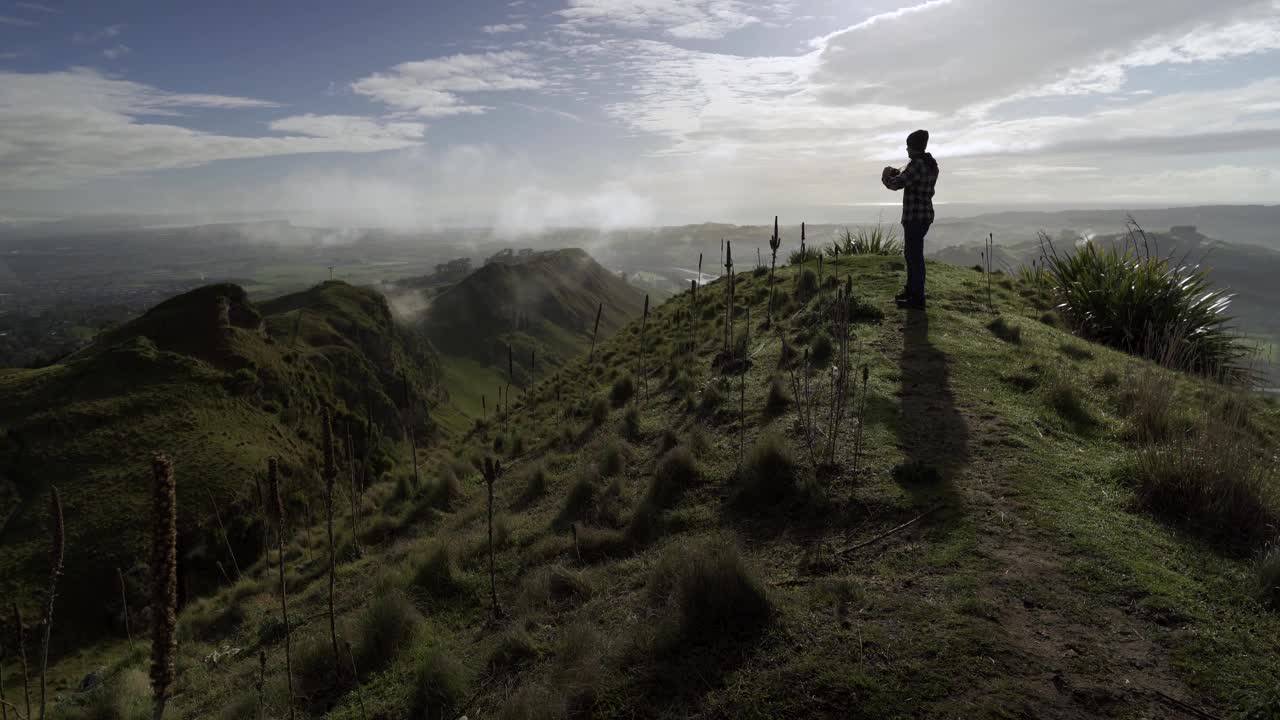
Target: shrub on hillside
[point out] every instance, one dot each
(1145, 305)
(808, 285)
(513, 648)
(712, 398)
(770, 473)
(534, 479)
(589, 499)
(613, 459)
(385, 629)
(709, 595)
(123, 696)
(877, 240)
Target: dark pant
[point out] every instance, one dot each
(913, 247)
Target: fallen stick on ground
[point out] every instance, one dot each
(1184, 707)
(884, 535)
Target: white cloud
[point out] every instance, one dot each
(504, 28)
(116, 51)
(63, 127)
(687, 19)
(37, 7)
(15, 21)
(433, 88)
(106, 33)
(349, 126)
(946, 55)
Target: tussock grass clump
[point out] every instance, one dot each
(808, 285)
(589, 500)
(776, 402)
(709, 595)
(124, 696)
(599, 411)
(317, 682)
(631, 423)
(712, 398)
(1065, 398)
(1007, 332)
(436, 573)
(820, 350)
(1149, 403)
(1052, 319)
(552, 586)
(513, 648)
(385, 629)
(440, 683)
(770, 473)
(613, 459)
(675, 471)
(1075, 351)
(1211, 481)
(667, 440)
(624, 388)
(534, 480)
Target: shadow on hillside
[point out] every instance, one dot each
(932, 434)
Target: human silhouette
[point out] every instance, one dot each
(916, 181)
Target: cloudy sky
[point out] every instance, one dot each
(621, 112)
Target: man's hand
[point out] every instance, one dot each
(890, 172)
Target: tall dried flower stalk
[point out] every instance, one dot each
(409, 428)
(492, 469)
(277, 515)
(595, 332)
(58, 537)
(728, 298)
(802, 390)
(774, 243)
(355, 494)
(226, 539)
(22, 658)
(840, 376)
(124, 604)
(862, 421)
(644, 378)
(164, 583)
(330, 475)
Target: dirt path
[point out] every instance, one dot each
(1062, 654)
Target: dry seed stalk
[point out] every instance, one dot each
(408, 429)
(594, 334)
(774, 243)
(226, 539)
(355, 496)
(330, 475)
(164, 582)
(277, 511)
(22, 658)
(492, 469)
(59, 538)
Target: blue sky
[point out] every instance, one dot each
(621, 112)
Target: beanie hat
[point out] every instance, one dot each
(918, 140)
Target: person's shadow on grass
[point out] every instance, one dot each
(932, 434)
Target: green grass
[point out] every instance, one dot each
(1021, 553)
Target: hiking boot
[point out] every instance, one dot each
(911, 303)
(902, 295)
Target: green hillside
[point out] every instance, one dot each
(984, 539)
(220, 385)
(541, 307)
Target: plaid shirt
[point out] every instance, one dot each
(917, 182)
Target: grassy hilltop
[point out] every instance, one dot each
(218, 383)
(1014, 523)
(538, 307)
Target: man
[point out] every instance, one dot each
(916, 182)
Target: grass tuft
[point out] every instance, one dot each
(435, 571)
(440, 683)
(709, 595)
(770, 473)
(1005, 331)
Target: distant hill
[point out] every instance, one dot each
(217, 383)
(543, 303)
